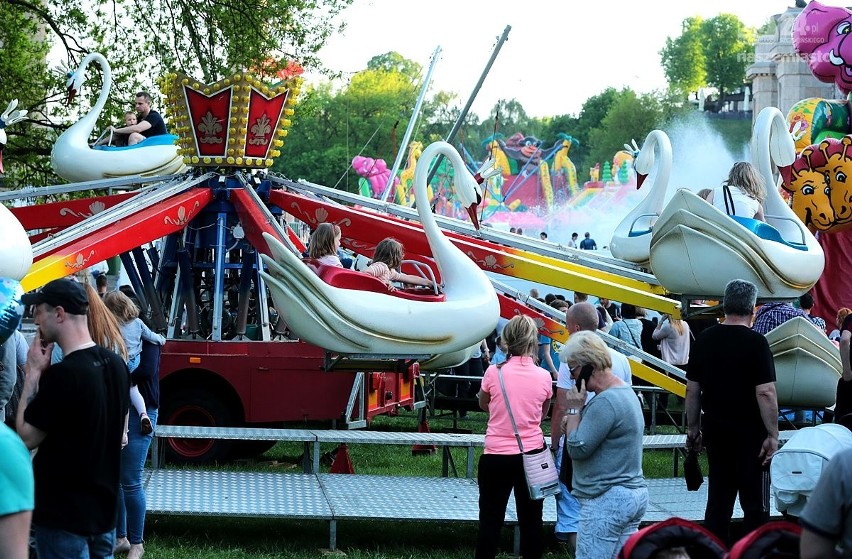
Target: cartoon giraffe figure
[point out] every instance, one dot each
(809, 182)
(405, 188)
(839, 172)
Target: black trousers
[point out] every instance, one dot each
(498, 475)
(735, 468)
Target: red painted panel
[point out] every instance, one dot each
(65, 213)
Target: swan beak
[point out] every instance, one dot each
(71, 93)
(471, 211)
(1, 159)
(640, 178)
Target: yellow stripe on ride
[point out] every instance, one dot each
(47, 269)
(655, 377)
(576, 277)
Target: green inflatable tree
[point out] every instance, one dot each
(606, 174)
(624, 172)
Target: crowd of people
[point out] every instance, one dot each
(597, 423)
(87, 402)
(77, 435)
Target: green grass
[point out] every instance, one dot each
(175, 537)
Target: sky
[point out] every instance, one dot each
(559, 52)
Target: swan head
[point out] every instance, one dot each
(74, 83)
(469, 187)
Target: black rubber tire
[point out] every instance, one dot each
(197, 407)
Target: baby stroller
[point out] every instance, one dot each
(651, 541)
(796, 467)
(775, 540)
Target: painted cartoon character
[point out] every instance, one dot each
(375, 171)
(809, 183)
(524, 149)
(820, 34)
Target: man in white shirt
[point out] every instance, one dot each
(581, 316)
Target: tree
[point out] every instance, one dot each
(728, 47)
(683, 58)
(207, 39)
(712, 52)
(331, 127)
(630, 117)
(395, 62)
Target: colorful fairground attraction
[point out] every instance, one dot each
(229, 278)
(537, 184)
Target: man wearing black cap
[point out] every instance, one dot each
(75, 412)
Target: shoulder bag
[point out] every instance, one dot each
(539, 468)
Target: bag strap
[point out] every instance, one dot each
(629, 331)
(726, 194)
(508, 407)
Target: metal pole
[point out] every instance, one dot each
(503, 38)
(399, 155)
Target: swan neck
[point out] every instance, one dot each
(88, 121)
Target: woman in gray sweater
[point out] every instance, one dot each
(604, 439)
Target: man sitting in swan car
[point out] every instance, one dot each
(150, 122)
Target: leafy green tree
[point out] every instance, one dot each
(630, 117)
(331, 127)
(24, 64)
(728, 47)
(683, 58)
(395, 62)
(712, 52)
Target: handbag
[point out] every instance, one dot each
(692, 471)
(566, 472)
(539, 467)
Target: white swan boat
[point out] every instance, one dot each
(16, 252)
(807, 364)
(75, 161)
(632, 238)
(696, 248)
(355, 321)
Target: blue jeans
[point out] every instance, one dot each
(607, 520)
(52, 543)
(131, 495)
(567, 505)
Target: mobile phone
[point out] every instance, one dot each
(585, 375)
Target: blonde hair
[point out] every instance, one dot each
(389, 251)
(122, 306)
(521, 337)
(103, 325)
(746, 177)
(586, 348)
(677, 324)
(841, 315)
(322, 241)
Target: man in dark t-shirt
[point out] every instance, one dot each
(731, 378)
(588, 243)
(75, 413)
(150, 122)
(843, 406)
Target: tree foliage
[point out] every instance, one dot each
(683, 57)
(727, 51)
(630, 116)
(713, 52)
(367, 117)
(142, 40)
